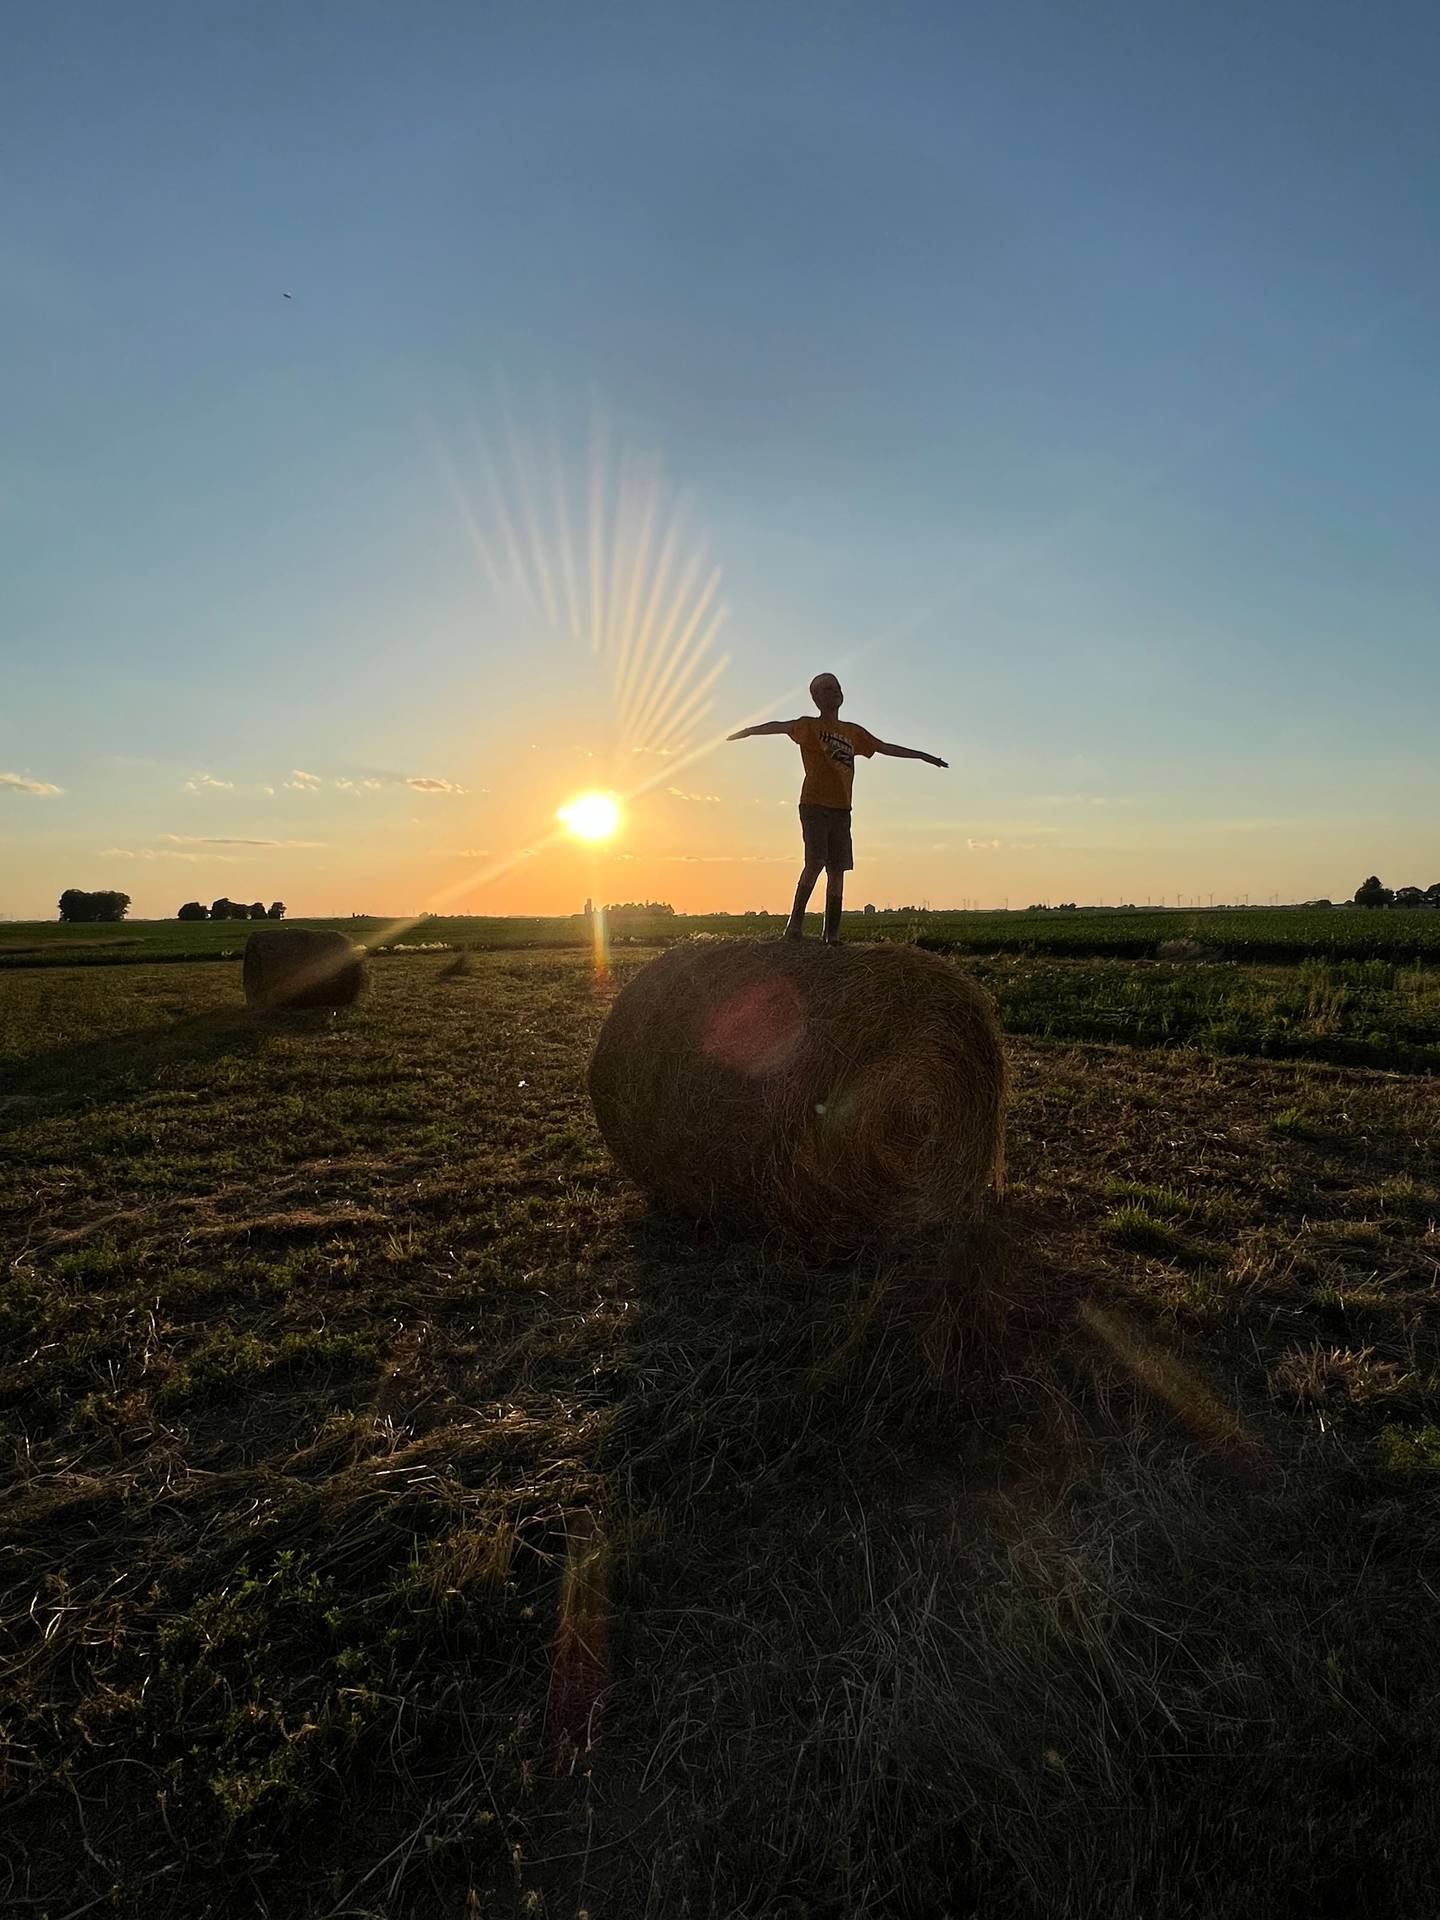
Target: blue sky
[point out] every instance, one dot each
(1065, 376)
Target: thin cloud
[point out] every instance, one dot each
(167, 853)
(470, 853)
(17, 783)
(302, 782)
(205, 840)
(207, 783)
(679, 793)
(422, 785)
(729, 859)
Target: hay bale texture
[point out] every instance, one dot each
(836, 1093)
(301, 967)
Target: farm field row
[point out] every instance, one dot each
(1262, 934)
(1376, 1013)
(403, 1519)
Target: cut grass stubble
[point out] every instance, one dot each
(412, 1517)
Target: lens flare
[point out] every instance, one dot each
(591, 816)
(600, 943)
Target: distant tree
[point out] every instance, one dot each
(869, 909)
(276, 910)
(1371, 893)
(1432, 894)
(77, 905)
(256, 910)
(220, 909)
(1409, 897)
(192, 910)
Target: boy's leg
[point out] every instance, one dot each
(834, 901)
(839, 858)
(808, 876)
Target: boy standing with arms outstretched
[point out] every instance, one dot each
(828, 746)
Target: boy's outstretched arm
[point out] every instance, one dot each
(765, 726)
(908, 753)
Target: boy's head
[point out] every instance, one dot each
(826, 692)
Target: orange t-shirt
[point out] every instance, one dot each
(828, 749)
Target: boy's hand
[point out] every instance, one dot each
(909, 753)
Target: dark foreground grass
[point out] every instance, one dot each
(401, 1521)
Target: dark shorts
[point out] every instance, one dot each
(827, 837)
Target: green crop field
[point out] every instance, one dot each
(400, 1519)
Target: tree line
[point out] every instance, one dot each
(78, 905)
(638, 909)
(223, 909)
(1373, 893)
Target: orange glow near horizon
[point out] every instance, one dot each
(607, 561)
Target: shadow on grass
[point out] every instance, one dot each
(118, 1065)
(740, 1586)
(939, 1586)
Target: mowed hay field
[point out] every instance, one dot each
(401, 1519)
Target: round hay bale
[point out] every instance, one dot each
(1187, 949)
(301, 967)
(837, 1093)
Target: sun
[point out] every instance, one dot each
(591, 816)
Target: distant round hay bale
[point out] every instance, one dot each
(835, 1093)
(301, 967)
(1187, 949)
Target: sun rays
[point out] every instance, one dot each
(601, 554)
(615, 565)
